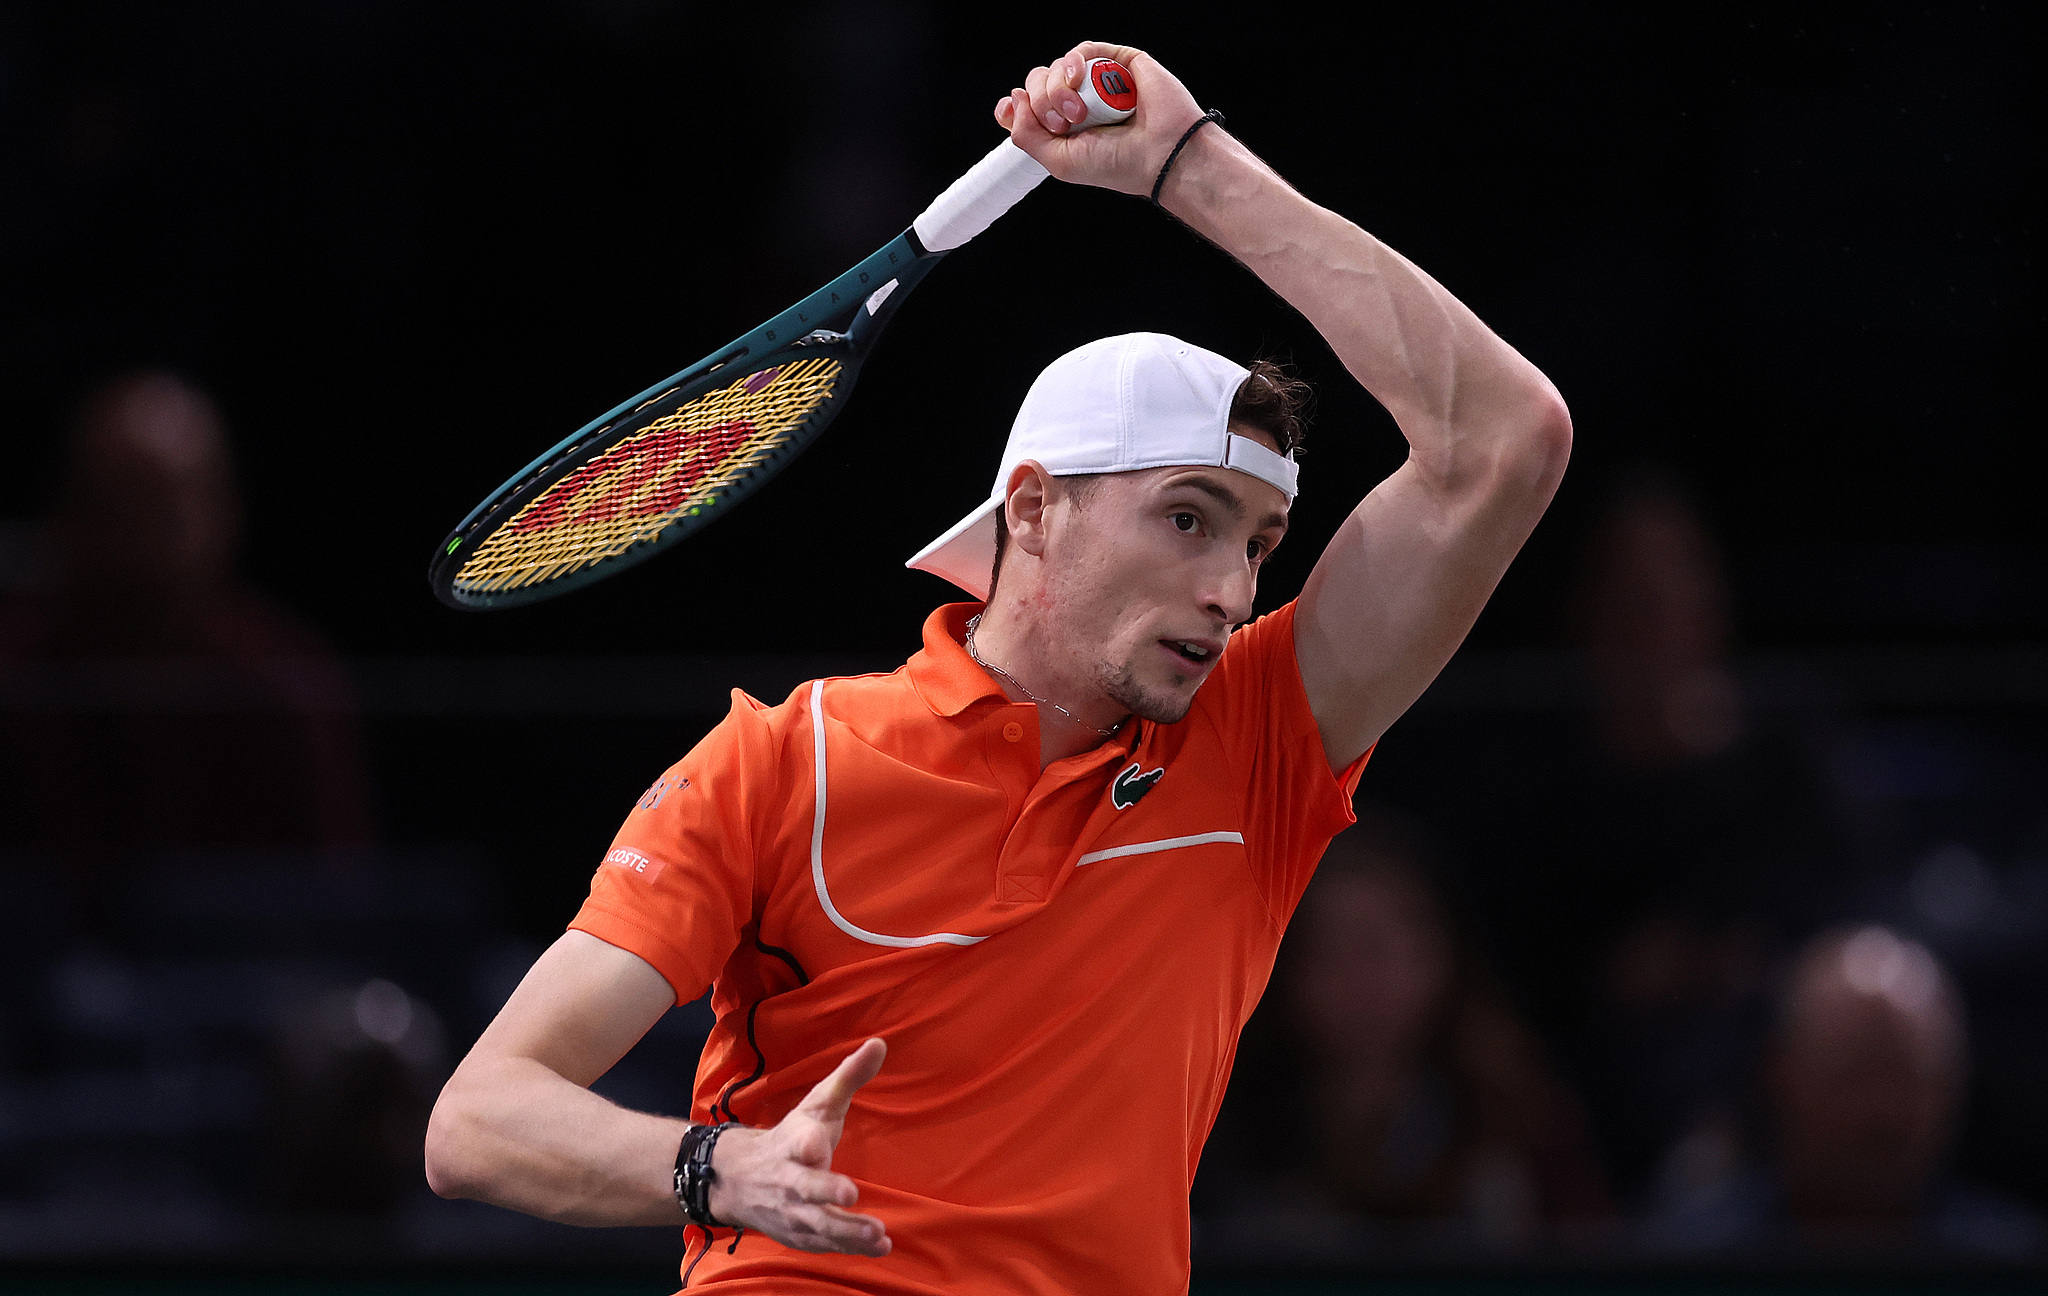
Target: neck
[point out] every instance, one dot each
(1042, 670)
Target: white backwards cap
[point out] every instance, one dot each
(1120, 404)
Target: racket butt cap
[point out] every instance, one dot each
(1108, 92)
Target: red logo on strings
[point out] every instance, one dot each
(657, 475)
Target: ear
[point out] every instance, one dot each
(1024, 509)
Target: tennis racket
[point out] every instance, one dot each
(688, 449)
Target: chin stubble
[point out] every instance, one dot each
(1121, 684)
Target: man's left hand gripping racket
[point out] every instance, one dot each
(689, 448)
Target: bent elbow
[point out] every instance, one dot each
(449, 1171)
(1552, 436)
(1537, 455)
(1520, 458)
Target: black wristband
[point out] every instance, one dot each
(1211, 116)
(694, 1175)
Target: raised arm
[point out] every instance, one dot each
(1403, 580)
(517, 1125)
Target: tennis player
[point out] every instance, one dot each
(981, 933)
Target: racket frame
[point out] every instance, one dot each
(840, 321)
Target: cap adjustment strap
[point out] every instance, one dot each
(1248, 456)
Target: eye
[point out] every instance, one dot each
(1255, 550)
(1185, 523)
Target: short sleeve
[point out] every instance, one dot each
(1294, 802)
(676, 887)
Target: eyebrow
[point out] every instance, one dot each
(1228, 498)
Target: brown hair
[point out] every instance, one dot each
(1270, 399)
(1275, 402)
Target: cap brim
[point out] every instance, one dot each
(966, 553)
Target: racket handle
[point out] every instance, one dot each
(971, 204)
(999, 181)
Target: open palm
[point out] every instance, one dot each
(779, 1181)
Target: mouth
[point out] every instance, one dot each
(1197, 653)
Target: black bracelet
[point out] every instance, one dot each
(694, 1175)
(1211, 116)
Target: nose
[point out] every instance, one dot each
(1229, 591)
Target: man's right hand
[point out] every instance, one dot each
(1040, 116)
(779, 1181)
(518, 1126)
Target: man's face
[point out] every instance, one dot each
(1149, 572)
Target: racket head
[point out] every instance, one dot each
(676, 457)
(626, 487)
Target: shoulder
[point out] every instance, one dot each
(858, 701)
(1258, 677)
(882, 709)
(1255, 708)
(885, 690)
(1265, 645)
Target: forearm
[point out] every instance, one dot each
(1461, 396)
(511, 1132)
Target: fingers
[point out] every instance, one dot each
(759, 1186)
(1049, 102)
(829, 1098)
(823, 1188)
(828, 1228)
(1054, 101)
(1038, 105)
(1128, 55)
(1045, 89)
(819, 1221)
(779, 1181)
(821, 1226)
(1027, 132)
(860, 1234)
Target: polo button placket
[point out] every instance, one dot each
(1070, 789)
(1023, 880)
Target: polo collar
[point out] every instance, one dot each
(949, 681)
(942, 672)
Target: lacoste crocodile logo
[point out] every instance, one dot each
(1131, 786)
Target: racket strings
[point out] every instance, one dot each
(674, 467)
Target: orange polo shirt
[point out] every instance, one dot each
(1060, 960)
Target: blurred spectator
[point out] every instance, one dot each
(353, 1075)
(1645, 865)
(1386, 1095)
(152, 707)
(1865, 1078)
(1658, 623)
(148, 700)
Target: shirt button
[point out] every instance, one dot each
(1013, 732)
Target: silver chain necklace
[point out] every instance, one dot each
(1015, 683)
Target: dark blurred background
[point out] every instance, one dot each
(1698, 917)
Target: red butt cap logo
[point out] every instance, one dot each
(1113, 82)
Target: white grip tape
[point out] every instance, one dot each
(971, 204)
